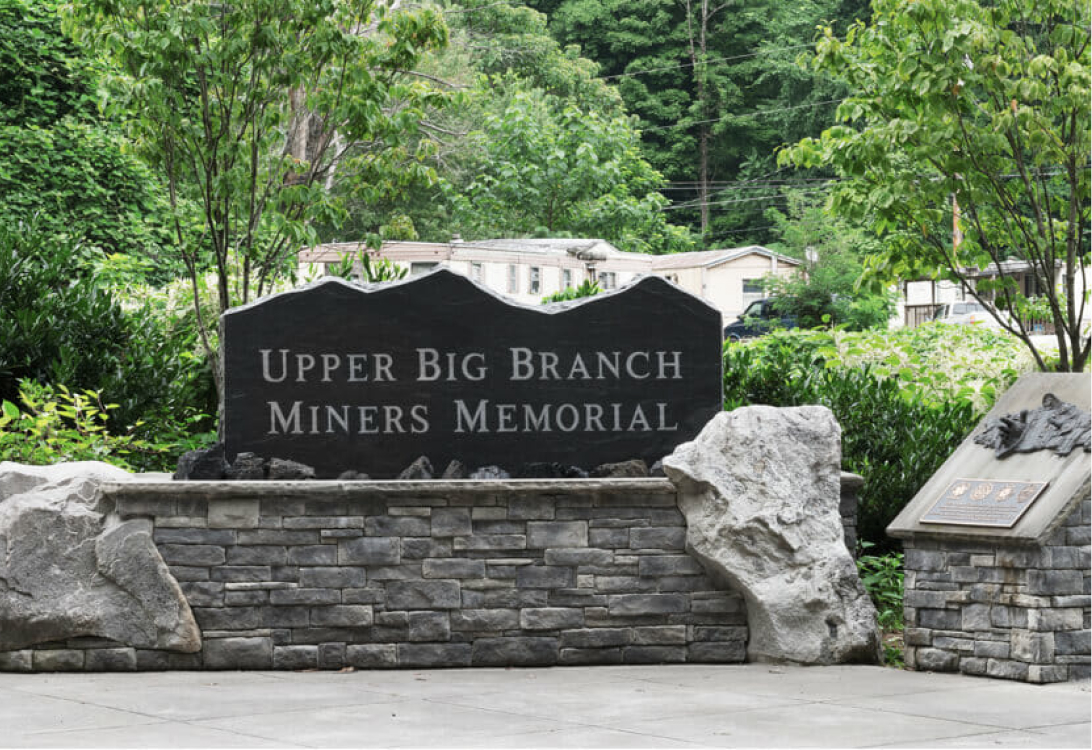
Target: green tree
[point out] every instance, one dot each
(986, 103)
(826, 289)
(532, 143)
(495, 48)
(252, 108)
(545, 167)
(62, 166)
(717, 90)
(500, 40)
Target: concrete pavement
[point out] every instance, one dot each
(754, 705)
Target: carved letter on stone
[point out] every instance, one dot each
(760, 490)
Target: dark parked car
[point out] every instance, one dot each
(760, 317)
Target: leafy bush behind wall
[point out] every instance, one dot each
(903, 407)
(59, 326)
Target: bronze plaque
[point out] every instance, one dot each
(984, 502)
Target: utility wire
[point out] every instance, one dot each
(745, 114)
(735, 200)
(754, 181)
(631, 73)
(745, 186)
(812, 190)
(741, 230)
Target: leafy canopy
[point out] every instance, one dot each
(62, 165)
(248, 108)
(531, 142)
(984, 102)
(721, 73)
(543, 166)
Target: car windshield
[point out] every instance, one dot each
(754, 309)
(957, 308)
(962, 308)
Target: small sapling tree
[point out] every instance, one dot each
(250, 109)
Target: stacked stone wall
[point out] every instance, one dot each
(1008, 611)
(386, 577)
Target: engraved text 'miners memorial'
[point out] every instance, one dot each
(340, 376)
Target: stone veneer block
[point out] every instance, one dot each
(111, 660)
(372, 655)
(238, 653)
(233, 514)
(16, 661)
(58, 660)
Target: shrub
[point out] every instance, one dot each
(372, 270)
(893, 435)
(588, 288)
(54, 424)
(937, 363)
(54, 325)
(59, 324)
(58, 425)
(882, 576)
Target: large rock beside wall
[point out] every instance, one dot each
(69, 568)
(760, 489)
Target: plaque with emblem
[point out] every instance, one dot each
(1018, 474)
(997, 503)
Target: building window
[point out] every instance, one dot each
(753, 290)
(513, 279)
(534, 278)
(607, 280)
(416, 269)
(476, 271)
(752, 286)
(566, 279)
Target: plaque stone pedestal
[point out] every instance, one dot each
(997, 548)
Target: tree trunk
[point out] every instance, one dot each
(698, 44)
(301, 124)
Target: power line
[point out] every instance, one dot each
(725, 186)
(631, 73)
(742, 230)
(754, 181)
(737, 200)
(746, 114)
(812, 190)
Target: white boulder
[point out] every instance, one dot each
(760, 489)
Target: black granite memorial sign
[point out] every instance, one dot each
(341, 377)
